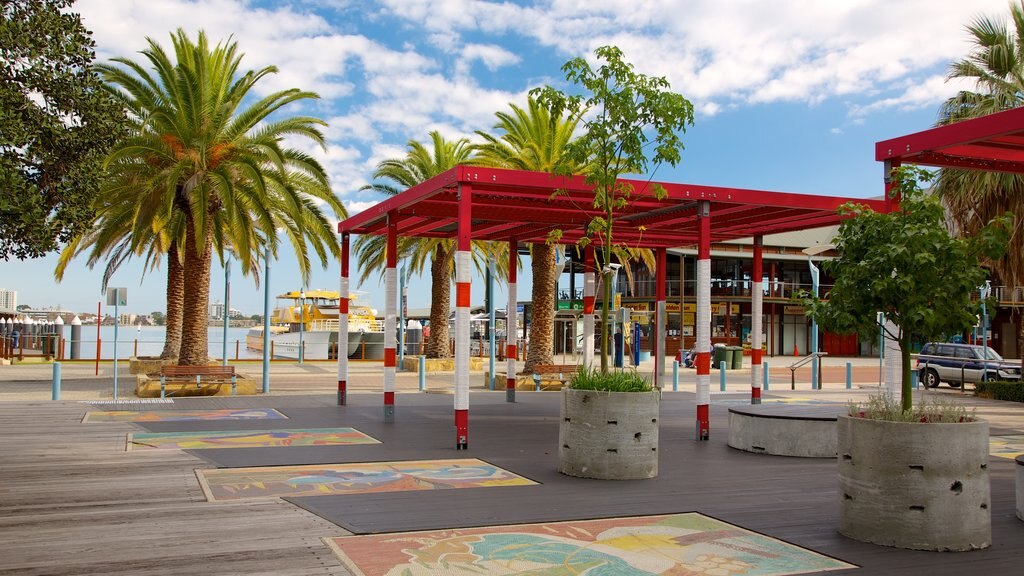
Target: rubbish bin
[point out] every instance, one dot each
(737, 358)
(721, 355)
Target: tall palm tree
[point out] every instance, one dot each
(532, 139)
(973, 198)
(220, 163)
(395, 175)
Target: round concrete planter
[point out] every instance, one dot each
(914, 485)
(608, 435)
(1020, 487)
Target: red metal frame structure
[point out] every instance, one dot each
(511, 205)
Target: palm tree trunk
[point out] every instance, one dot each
(196, 309)
(175, 301)
(440, 303)
(542, 328)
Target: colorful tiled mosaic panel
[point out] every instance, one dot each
(362, 478)
(182, 415)
(1006, 446)
(247, 439)
(677, 544)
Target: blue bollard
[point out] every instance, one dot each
(913, 379)
(423, 372)
(764, 383)
(675, 376)
(721, 375)
(56, 380)
(849, 376)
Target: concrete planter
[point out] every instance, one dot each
(608, 435)
(1020, 487)
(914, 485)
(148, 364)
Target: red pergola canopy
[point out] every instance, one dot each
(521, 205)
(994, 143)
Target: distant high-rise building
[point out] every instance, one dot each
(8, 300)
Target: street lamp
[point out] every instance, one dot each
(985, 291)
(811, 252)
(302, 320)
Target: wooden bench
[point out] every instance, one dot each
(560, 372)
(198, 373)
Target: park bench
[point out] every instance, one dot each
(560, 372)
(210, 374)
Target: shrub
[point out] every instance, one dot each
(594, 379)
(998, 390)
(885, 407)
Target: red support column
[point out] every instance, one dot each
(703, 329)
(589, 300)
(756, 318)
(390, 316)
(343, 323)
(660, 322)
(463, 278)
(511, 321)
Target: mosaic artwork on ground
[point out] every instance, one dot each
(362, 478)
(1006, 446)
(182, 415)
(678, 545)
(246, 439)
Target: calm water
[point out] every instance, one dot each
(151, 341)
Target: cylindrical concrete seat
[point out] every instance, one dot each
(781, 430)
(1020, 486)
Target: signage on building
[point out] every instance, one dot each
(570, 305)
(797, 310)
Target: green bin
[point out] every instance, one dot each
(737, 357)
(721, 354)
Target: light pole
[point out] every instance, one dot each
(986, 291)
(227, 307)
(266, 320)
(302, 320)
(811, 252)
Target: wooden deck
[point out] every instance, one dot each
(73, 501)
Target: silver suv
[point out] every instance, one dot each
(956, 364)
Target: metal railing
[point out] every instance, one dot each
(800, 364)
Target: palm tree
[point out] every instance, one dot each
(398, 174)
(973, 198)
(220, 165)
(533, 139)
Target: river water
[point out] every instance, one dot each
(149, 341)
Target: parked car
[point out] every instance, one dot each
(956, 364)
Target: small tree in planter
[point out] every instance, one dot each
(629, 120)
(910, 479)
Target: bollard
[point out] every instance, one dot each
(56, 380)
(721, 373)
(675, 375)
(913, 380)
(423, 372)
(765, 379)
(849, 376)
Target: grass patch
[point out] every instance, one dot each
(998, 390)
(594, 379)
(889, 409)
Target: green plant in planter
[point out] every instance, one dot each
(593, 379)
(908, 266)
(885, 407)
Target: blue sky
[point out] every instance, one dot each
(790, 95)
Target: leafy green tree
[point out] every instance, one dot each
(395, 175)
(629, 121)
(205, 151)
(158, 317)
(533, 139)
(973, 197)
(907, 265)
(56, 125)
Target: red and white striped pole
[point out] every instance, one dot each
(343, 324)
(390, 316)
(511, 321)
(703, 360)
(589, 286)
(463, 279)
(756, 315)
(661, 320)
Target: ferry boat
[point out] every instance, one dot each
(317, 312)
